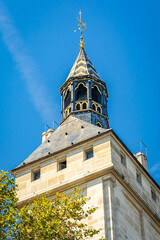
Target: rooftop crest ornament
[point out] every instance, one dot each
(81, 27)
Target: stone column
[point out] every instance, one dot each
(108, 185)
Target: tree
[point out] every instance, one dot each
(8, 203)
(62, 218)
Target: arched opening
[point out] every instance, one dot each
(81, 92)
(69, 109)
(67, 99)
(98, 109)
(84, 105)
(93, 107)
(96, 96)
(66, 113)
(78, 106)
(99, 124)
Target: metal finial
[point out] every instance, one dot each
(81, 27)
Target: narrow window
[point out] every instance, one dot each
(62, 165)
(36, 175)
(123, 160)
(99, 109)
(139, 178)
(89, 153)
(69, 109)
(67, 99)
(96, 96)
(84, 106)
(66, 113)
(153, 195)
(78, 106)
(94, 107)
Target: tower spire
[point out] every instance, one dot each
(81, 27)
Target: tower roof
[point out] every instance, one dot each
(82, 66)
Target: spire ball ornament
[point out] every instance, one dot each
(81, 27)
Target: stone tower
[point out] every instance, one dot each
(84, 151)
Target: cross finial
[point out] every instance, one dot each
(81, 27)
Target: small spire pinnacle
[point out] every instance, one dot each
(81, 27)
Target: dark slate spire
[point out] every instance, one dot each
(83, 66)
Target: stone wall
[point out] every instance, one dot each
(108, 183)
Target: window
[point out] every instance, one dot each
(67, 99)
(84, 106)
(96, 96)
(66, 113)
(139, 179)
(94, 107)
(123, 160)
(89, 153)
(36, 175)
(81, 92)
(62, 165)
(78, 106)
(99, 109)
(99, 124)
(153, 195)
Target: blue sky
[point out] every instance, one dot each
(38, 47)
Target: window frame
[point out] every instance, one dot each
(61, 162)
(87, 151)
(35, 171)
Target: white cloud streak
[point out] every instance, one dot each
(155, 168)
(26, 66)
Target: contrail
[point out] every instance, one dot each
(26, 66)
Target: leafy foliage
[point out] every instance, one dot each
(62, 218)
(8, 201)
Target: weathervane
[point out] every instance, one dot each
(81, 27)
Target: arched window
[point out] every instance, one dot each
(81, 92)
(78, 106)
(93, 107)
(84, 106)
(67, 99)
(96, 96)
(99, 109)
(66, 113)
(99, 124)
